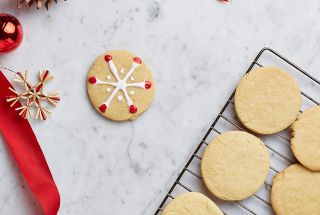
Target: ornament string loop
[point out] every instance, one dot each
(6, 68)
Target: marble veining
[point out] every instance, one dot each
(197, 49)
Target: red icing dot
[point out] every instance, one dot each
(147, 84)
(103, 108)
(92, 80)
(137, 60)
(133, 109)
(108, 57)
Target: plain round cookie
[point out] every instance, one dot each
(235, 165)
(267, 100)
(295, 191)
(305, 143)
(192, 203)
(113, 96)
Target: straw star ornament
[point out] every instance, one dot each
(33, 96)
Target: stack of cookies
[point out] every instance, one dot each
(236, 163)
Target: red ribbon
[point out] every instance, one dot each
(27, 153)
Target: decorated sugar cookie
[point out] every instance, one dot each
(120, 85)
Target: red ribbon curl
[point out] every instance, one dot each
(27, 153)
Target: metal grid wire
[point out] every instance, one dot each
(278, 144)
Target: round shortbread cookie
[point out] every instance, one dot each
(267, 100)
(120, 85)
(305, 143)
(235, 165)
(295, 191)
(192, 204)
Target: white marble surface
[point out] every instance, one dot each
(197, 49)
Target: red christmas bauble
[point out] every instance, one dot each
(11, 33)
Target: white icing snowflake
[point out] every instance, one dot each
(120, 84)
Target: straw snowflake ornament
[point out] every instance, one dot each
(33, 96)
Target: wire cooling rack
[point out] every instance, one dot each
(278, 144)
